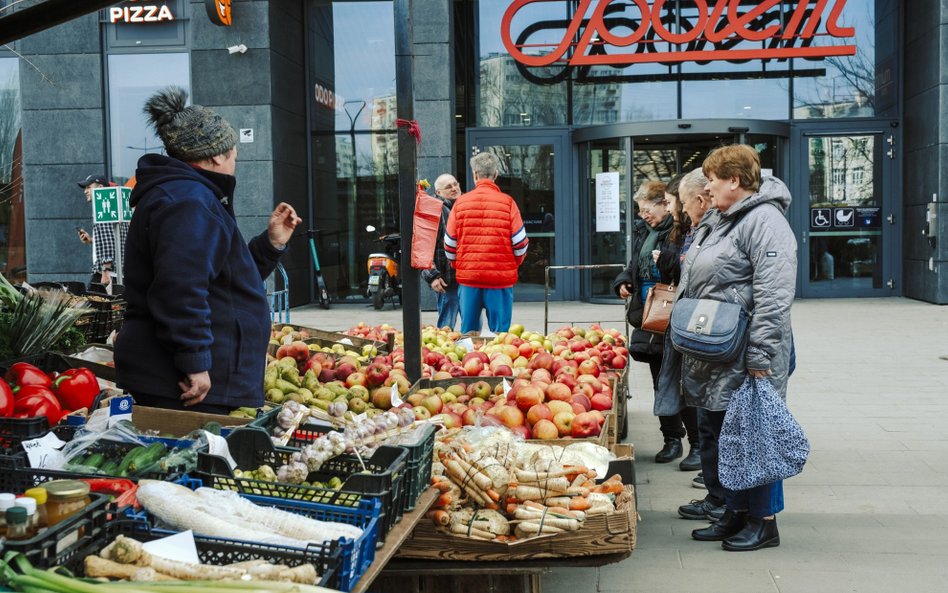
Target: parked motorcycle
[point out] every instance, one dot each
(384, 279)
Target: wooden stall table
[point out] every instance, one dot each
(398, 534)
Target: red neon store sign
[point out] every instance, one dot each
(712, 24)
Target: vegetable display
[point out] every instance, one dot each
(494, 488)
(226, 514)
(33, 393)
(126, 558)
(17, 574)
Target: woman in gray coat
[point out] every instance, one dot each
(746, 256)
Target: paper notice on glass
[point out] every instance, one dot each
(607, 202)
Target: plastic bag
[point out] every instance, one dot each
(425, 225)
(124, 452)
(760, 442)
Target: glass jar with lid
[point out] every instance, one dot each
(65, 498)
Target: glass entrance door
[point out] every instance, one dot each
(533, 169)
(848, 225)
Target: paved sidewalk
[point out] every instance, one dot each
(867, 515)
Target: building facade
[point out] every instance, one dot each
(582, 100)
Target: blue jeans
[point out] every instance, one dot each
(449, 307)
(497, 301)
(762, 501)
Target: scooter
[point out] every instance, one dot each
(384, 279)
(322, 294)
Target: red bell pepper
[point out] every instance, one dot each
(6, 400)
(23, 373)
(38, 404)
(76, 388)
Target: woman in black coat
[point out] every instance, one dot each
(655, 245)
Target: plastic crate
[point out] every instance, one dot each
(340, 563)
(65, 543)
(252, 447)
(109, 315)
(16, 475)
(417, 464)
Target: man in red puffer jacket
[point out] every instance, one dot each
(485, 242)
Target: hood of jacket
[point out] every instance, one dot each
(771, 190)
(154, 169)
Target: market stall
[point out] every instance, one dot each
(505, 454)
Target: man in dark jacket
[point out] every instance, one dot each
(197, 324)
(441, 276)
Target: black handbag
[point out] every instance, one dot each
(713, 331)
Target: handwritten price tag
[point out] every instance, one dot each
(506, 387)
(44, 452)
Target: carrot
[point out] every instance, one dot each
(579, 503)
(444, 500)
(439, 517)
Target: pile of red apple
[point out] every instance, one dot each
(554, 398)
(560, 385)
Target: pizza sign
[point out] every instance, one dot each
(219, 11)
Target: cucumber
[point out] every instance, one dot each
(109, 468)
(94, 460)
(128, 459)
(149, 456)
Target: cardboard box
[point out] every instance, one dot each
(612, 533)
(178, 422)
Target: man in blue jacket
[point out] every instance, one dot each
(198, 323)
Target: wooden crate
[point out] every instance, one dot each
(612, 533)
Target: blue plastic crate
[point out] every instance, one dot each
(355, 555)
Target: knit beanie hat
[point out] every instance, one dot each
(190, 134)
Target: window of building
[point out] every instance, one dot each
(839, 177)
(12, 236)
(133, 78)
(859, 175)
(775, 88)
(351, 63)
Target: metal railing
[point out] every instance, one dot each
(546, 293)
(280, 299)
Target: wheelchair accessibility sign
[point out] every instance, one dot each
(821, 218)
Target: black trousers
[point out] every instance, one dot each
(678, 425)
(709, 427)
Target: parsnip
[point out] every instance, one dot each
(100, 567)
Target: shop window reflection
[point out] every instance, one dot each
(12, 229)
(133, 78)
(354, 138)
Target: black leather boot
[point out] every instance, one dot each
(692, 462)
(729, 525)
(757, 534)
(670, 452)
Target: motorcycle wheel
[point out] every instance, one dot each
(378, 299)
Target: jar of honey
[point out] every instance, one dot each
(65, 498)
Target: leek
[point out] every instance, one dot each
(17, 574)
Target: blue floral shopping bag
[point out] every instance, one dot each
(760, 442)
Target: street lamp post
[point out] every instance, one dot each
(351, 206)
